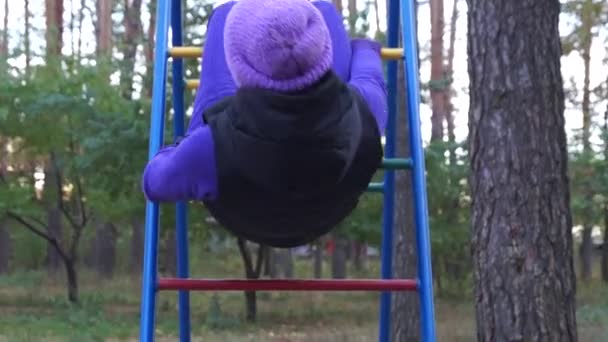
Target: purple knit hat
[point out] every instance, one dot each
(282, 45)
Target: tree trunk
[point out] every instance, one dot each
(449, 73)
(149, 49)
(586, 251)
(26, 38)
(251, 272)
(72, 278)
(352, 16)
(437, 84)
(136, 251)
(605, 247)
(54, 27)
(286, 262)
(4, 38)
(338, 258)
(132, 36)
(318, 260)
(5, 246)
(521, 220)
(54, 229)
(104, 27)
(404, 310)
(169, 255)
(339, 7)
(105, 249)
(377, 15)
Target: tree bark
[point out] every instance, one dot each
(339, 7)
(352, 16)
(4, 38)
(521, 220)
(54, 229)
(252, 271)
(136, 251)
(26, 39)
(105, 249)
(338, 258)
(104, 27)
(605, 247)
(149, 49)
(404, 311)
(449, 73)
(5, 246)
(318, 260)
(72, 278)
(586, 249)
(131, 40)
(437, 83)
(54, 27)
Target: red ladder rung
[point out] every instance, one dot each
(288, 285)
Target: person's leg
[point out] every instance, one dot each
(339, 38)
(215, 81)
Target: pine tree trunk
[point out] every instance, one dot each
(4, 38)
(104, 27)
(521, 220)
(149, 49)
(26, 37)
(54, 27)
(586, 248)
(449, 73)
(405, 309)
(133, 34)
(352, 16)
(437, 86)
(338, 4)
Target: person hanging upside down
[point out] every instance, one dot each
(286, 127)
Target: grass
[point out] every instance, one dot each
(34, 308)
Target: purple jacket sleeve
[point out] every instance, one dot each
(183, 171)
(367, 76)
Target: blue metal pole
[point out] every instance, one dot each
(181, 207)
(389, 176)
(148, 300)
(423, 241)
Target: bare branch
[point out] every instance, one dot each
(50, 239)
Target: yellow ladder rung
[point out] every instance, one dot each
(192, 84)
(197, 52)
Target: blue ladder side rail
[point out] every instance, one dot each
(169, 14)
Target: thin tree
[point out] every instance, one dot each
(54, 27)
(437, 83)
(521, 220)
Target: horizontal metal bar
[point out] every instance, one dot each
(288, 285)
(375, 187)
(197, 52)
(396, 163)
(192, 84)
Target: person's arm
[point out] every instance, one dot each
(367, 77)
(183, 171)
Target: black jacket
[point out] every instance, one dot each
(291, 166)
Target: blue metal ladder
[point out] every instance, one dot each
(169, 15)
